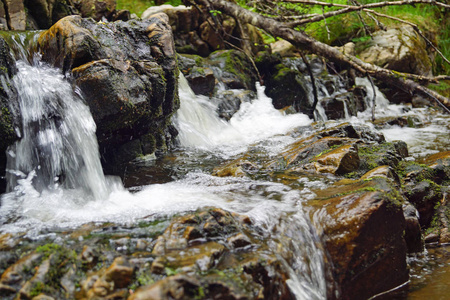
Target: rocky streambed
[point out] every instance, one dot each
(362, 197)
(227, 197)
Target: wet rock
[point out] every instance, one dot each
(237, 168)
(174, 287)
(119, 272)
(364, 133)
(413, 233)
(340, 106)
(439, 163)
(309, 149)
(390, 154)
(37, 280)
(211, 248)
(341, 160)
(15, 274)
(287, 87)
(424, 196)
(130, 86)
(229, 102)
(239, 240)
(362, 226)
(8, 107)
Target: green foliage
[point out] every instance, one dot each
(139, 6)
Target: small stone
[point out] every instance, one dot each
(158, 266)
(120, 272)
(239, 240)
(141, 244)
(432, 238)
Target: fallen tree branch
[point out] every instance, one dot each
(352, 8)
(303, 41)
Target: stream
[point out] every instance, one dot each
(56, 184)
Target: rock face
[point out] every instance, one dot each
(8, 102)
(194, 34)
(128, 75)
(42, 14)
(400, 49)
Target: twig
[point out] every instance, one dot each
(326, 25)
(373, 98)
(313, 83)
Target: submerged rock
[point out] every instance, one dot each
(128, 75)
(427, 188)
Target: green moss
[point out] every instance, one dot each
(38, 287)
(421, 172)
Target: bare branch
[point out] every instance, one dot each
(372, 5)
(351, 8)
(407, 82)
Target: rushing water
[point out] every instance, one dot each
(56, 181)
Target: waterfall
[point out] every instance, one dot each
(57, 148)
(200, 127)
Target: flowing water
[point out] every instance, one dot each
(56, 181)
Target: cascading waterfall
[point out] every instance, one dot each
(58, 146)
(200, 127)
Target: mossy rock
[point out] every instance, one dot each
(238, 70)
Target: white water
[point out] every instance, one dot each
(58, 142)
(57, 182)
(64, 143)
(256, 121)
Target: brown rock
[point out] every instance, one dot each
(120, 272)
(341, 160)
(362, 225)
(174, 287)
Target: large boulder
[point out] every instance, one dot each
(401, 49)
(362, 226)
(128, 75)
